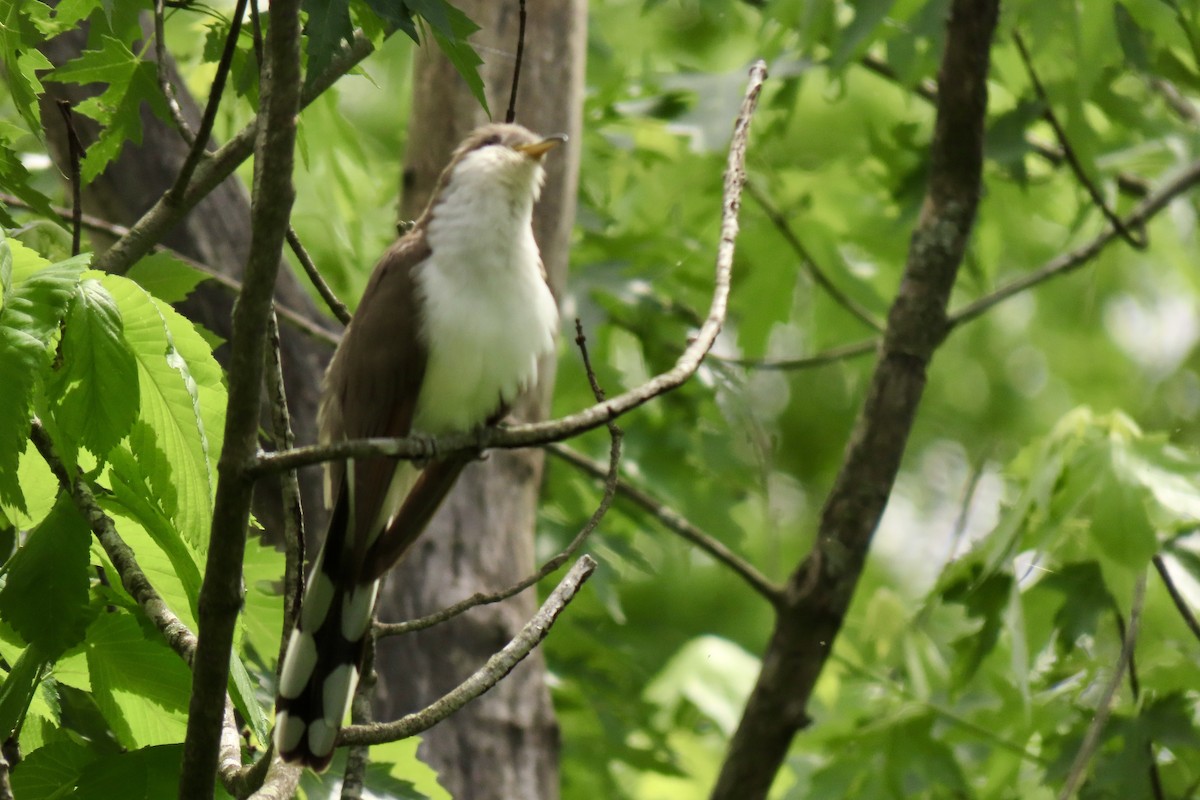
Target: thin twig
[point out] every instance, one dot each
(1149, 206)
(289, 486)
(74, 154)
(832, 355)
(487, 676)
(176, 192)
(856, 309)
(164, 82)
(511, 114)
(1181, 604)
(1138, 239)
(526, 435)
(256, 33)
(336, 306)
(1091, 739)
(675, 522)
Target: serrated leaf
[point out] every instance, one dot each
(166, 277)
(397, 771)
(131, 81)
(177, 439)
(451, 28)
(48, 578)
(95, 391)
(140, 685)
(328, 26)
(22, 60)
(397, 14)
(33, 306)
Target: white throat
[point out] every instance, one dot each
(487, 314)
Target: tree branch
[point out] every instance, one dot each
(529, 434)
(310, 269)
(808, 262)
(675, 522)
(1153, 203)
(819, 591)
(491, 673)
(1181, 604)
(221, 591)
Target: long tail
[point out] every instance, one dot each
(324, 654)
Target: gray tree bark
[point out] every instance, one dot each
(505, 745)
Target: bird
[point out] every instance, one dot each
(449, 332)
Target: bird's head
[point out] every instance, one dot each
(504, 154)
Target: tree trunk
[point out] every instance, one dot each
(504, 745)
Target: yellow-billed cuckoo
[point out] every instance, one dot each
(449, 331)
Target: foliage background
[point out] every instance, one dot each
(1030, 500)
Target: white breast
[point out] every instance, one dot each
(488, 316)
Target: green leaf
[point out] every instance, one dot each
(131, 81)
(95, 390)
(150, 773)
(166, 277)
(712, 674)
(397, 14)
(328, 26)
(33, 306)
(396, 770)
(22, 60)
(451, 28)
(18, 689)
(51, 772)
(48, 579)
(177, 439)
(1132, 38)
(16, 179)
(140, 685)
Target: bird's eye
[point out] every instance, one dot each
(493, 139)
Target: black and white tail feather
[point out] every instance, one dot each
(325, 652)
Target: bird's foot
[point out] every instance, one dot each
(429, 448)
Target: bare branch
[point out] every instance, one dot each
(1137, 239)
(487, 676)
(808, 262)
(293, 512)
(526, 435)
(1153, 203)
(164, 82)
(200, 142)
(675, 522)
(1091, 739)
(830, 356)
(74, 153)
(177, 635)
(511, 114)
(1181, 604)
(220, 593)
(331, 300)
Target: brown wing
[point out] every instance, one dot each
(375, 377)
